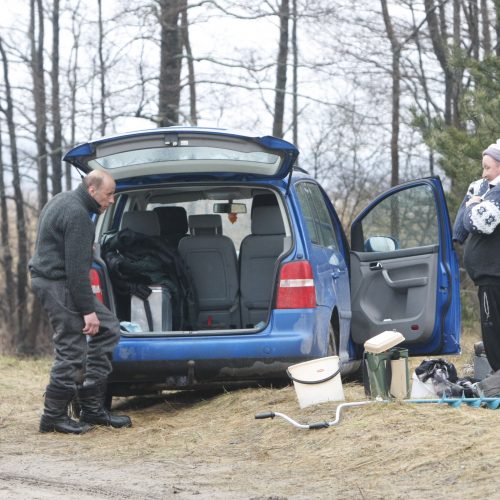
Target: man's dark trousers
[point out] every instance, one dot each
(77, 357)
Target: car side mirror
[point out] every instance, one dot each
(381, 244)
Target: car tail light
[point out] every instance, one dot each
(296, 288)
(95, 283)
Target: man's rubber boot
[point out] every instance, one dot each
(93, 410)
(55, 414)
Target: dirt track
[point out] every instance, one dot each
(193, 445)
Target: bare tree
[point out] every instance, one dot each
(281, 70)
(193, 118)
(295, 83)
(457, 71)
(21, 294)
(102, 70)
(72, 79)
(471, 11)
(37, 72)
(485, 22)
(170, 61)
(438, 26)
(56, 145)
(428, 107)
(9, 304)
(497, 26)
(396, 92)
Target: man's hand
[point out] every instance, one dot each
(91, 324)
(474, 199)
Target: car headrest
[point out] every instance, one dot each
(267, 220)
(264, 200)
(207, 224)
(173, 220)
(141, 221)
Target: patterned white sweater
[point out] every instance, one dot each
(476, 188)
(483, 217)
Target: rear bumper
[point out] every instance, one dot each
(137, 377)
(193, 360)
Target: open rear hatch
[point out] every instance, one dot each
(185, 153)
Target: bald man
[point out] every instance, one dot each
(85, 331)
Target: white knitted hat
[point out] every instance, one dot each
(493, 150)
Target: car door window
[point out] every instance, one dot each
(323, 221)
(307, 211)
(407, 219)
(317, 216)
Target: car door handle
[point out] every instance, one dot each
(406, 283)
(375, 266)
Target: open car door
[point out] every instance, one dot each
(404, 270)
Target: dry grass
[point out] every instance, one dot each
(209, 445)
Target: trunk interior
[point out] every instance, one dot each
(193, 258)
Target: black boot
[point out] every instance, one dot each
(93, 410)
(55, 415)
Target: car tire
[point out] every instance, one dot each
(332, 349)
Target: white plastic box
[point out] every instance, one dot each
(420, 390)
(383, 341)
(160, 303)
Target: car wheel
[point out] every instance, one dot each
(332, 340)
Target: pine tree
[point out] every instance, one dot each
(461, 147)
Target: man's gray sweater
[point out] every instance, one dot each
(63, 249)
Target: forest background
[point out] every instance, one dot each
(374, 93)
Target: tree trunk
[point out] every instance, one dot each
(193, 118)
(472, 15)
(8, 306)
(485, 21)
(497, 26)
(425, 88)
(73, 86)
(396, 92)
(37, 72)
(458, 72)
(28, 330)
(170, 62)
(102, 70)
(441, 50)
(22, 245)
(295, 52)
(56, 146)
(280, 89)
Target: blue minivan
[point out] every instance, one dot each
(266, 266)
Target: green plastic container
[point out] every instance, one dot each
(388, 374)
